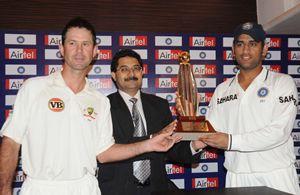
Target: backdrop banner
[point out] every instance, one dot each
(25, 54)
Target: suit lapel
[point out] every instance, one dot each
(147, 112)
(123, 116)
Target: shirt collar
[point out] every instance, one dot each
(261, 77)
(59, 80)
(127, 97)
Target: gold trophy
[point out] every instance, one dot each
(189, 126)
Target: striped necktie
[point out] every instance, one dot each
(141, 169)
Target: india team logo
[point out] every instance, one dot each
(56, 105)
(262, 92)
(247, 26)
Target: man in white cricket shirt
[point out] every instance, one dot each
(254, 113)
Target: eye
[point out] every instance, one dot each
(137, 68)
(71, 43)
(124, 69)
(239, 44)
(252, 44)
(86, 44)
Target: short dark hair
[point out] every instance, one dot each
(79, 23)
(124, 53)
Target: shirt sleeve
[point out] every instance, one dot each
(15, 126)
(194, 151)
(213, 114)
(105, 137)
(280, 128)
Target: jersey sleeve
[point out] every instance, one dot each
(213, 115)
(105, 137)
(278, 131)
(15, 127)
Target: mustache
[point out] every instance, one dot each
(132, 78)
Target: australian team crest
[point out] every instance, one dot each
(90, 110)
(90, 113)
(263, 92)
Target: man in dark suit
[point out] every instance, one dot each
(119, 178)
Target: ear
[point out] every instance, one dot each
(232, 52)
(61, 49)
(265, 50)
(95, 51)
(113, 75)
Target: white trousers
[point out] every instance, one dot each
(87, 185)
(284, 180)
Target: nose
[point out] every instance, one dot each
(79, 47)
(131, 71)
(246, 48)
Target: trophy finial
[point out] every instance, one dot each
(184, 57)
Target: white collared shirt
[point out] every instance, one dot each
(260, 120)
(61, 132)
(139, 104)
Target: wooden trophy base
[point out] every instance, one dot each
(193, 127)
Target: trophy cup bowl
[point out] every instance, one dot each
(189, 126)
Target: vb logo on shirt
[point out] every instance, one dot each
(56, 105)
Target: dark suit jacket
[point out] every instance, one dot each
(117, 178)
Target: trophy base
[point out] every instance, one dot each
(190, 136)
(193, 127)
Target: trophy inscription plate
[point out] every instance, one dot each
(189, 126)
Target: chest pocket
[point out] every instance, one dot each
(262, 102)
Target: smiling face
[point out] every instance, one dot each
(78, 49)
(129, 75)
(248, 53)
